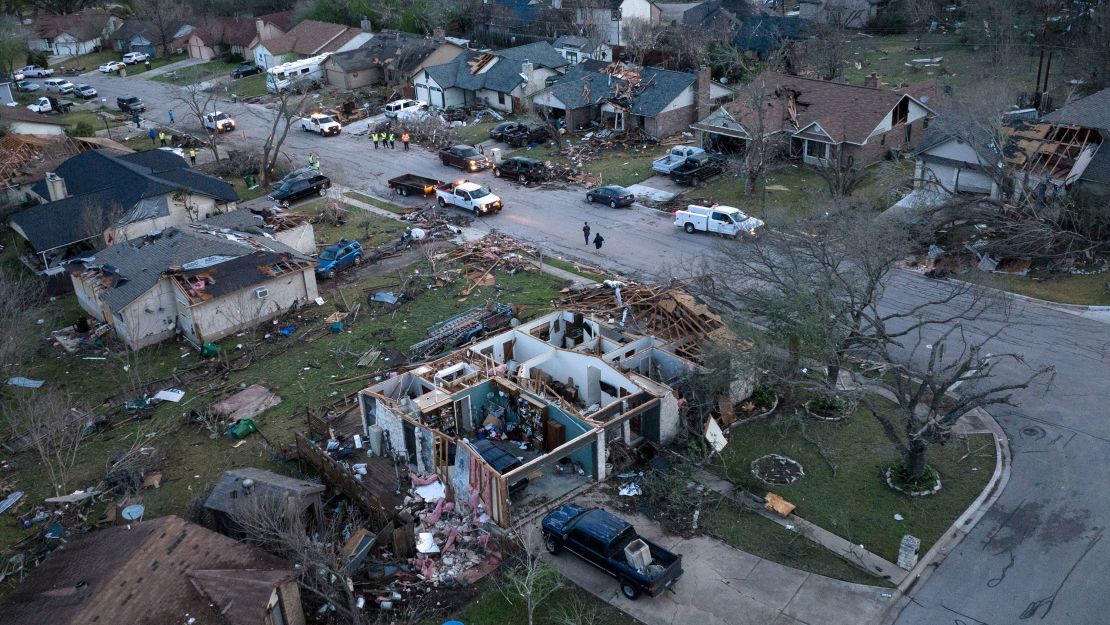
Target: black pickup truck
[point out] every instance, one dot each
(465, 157)
(130, 105)
(698, 167)
(612, 545)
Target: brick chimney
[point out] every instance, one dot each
(703, 103)
(871, 80)
(439, 35)
(55, 187)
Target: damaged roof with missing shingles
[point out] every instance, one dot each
(135, 267)
(399, 50)
(229, 492)
(1092, 111)
(503, 75)
(586, 84)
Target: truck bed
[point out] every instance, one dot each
(411, 184)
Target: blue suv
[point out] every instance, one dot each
(337, 257)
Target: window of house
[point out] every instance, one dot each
(909, 132)
(882, 139)
(500, 98)
(901, 112)
(925, 123)
(572, 57)
(817, 149)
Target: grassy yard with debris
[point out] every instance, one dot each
(1092, 290)
(574, 268)
(197, 73)
(373, 201)
(92, 118)
(249, 87)
(369, 229)
(473, 134)
(843, 491)
(89, 61)
(622, 167)
(569, 604)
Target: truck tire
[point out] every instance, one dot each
(496, 172)
(689, 227)
(323, 190)
(629, 590)
(612, 203)
(442, 204)
(523, 180)
(550, 544)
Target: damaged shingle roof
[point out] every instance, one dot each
(504, 75)
(102, 186)
(401, 51)
(1092, 111)
(586, 85)
(229, 493)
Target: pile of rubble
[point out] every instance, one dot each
(452, 547)
(496, 251)
(437, 223)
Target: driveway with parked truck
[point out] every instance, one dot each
(1039, 551)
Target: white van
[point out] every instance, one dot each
(723, 220)
(58, 85)
(397, 106)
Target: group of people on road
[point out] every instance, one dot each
(598, 239)
(314, 160)
(389, 139)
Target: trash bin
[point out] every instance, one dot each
(495, 154)
(209, 350)
(147, 65)
(249, 180)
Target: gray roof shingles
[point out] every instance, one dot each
(658, 88)
(1092, 111)
(99, 180)
(503, 76)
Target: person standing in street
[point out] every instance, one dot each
(153, 136)
(405, 140)
(193, 156)
(392, 139)
(374, 137)
(162, 138)
(171, 118)
(586, 232)
(598, 240)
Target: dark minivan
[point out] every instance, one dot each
(294, 189)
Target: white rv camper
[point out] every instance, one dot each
(300, 74)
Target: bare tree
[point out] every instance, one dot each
(277, 526)
(530, 579)
(198, 102)
(13, 43)
(290, 107)
(958, 376)
(827, 51)
(53, 426)
(840, 173)
(20, 307)
(164, 16)
(640, 37)
(764, 145)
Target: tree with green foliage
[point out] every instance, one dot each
(13, 43)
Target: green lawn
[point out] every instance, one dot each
(373, 201)
(493, 608)
(249, 87)
(853, 501)
(791, 193)
(1087, 290)
(621, 167)
(89, 61)
(369, 229)
(140, 68)
(197, 73)
(246, 194)
(92, 118)
(761, 537)
(472, 134)
(567, 265)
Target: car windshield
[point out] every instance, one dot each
(618, 190)
(221, 116)
(328, 255)
(324, 119)
(480, 192)
(468, 152)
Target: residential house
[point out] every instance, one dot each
(215, 36)
(7, 98)
(26, 158)
(388, 59)
(505, 80)
(822, 119)
(163, 570)
(101, 197)
(521, 418)
(624, 97)
(760, 35)
(707, 15)
(307, 38)
(200, 281)
(136, 35)
(1091, 112)
(609, 16)
(286, 227)
(947, 164)
(239, 488)
(24, 121)
(272, 25)
(576, 49)
(842, 13)
(72, 34)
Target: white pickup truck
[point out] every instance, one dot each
(218, 122)
(321, 124)
(470, 196)
(50, 105)
(675, 157)
(723, 220)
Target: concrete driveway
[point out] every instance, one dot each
(725, 586)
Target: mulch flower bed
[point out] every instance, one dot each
(777, 469)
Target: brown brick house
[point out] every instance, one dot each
(820, 118)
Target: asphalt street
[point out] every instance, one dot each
(1038, 555)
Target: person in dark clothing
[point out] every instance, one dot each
(586, 232)
(598, 240)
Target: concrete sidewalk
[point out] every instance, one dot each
(725, 586)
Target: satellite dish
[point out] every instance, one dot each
(133, 513)
(247, 483)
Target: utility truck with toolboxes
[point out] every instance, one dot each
(470, 196)
(723, 220)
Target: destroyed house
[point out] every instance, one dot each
(624, 98)
(198, 281)
(100, 196)
(504, 80)
(156, 572)
(387, 59)
(522, 418)
(237, 489)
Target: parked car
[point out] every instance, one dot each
(297, 173)
(245, 69)
(111, 67)
(465, 157)
(337, 257)
(527, 135)
(674, 157)
(723, 220)
(499, 131)
(697, 168)
(525, 170)
(218, 122)
(469, 196)
(395, 107)
(614, 196)
(411, 184)
(34, 71)
(84, 91)
(50, 104)
(612, 545)
(132, 58)
(297, 188)
(60, 86)
(130, 104)
(26, 86)
(321, 124)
